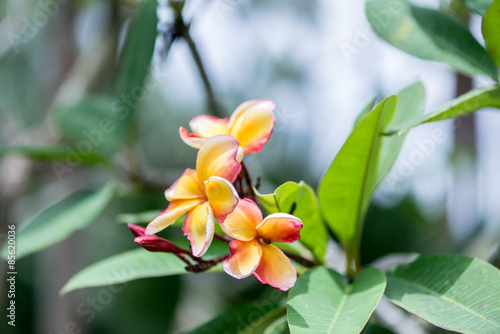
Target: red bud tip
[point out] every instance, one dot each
(153, 243)
(137, 230)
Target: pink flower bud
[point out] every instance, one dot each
(153, 243)
(137, 230)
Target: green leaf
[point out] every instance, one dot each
(410, 106)
(61, 220)
(464, 104)
(136, 57)
(429, 34)
(322, 301)
(491, 31)
(302, 199)
(136, 264)
(279, 326)
(247, 318)
(50, 153)
(365, 111)
(125, 267)
(454, 292)
(348, 184)
(478, 6)
(92, 124)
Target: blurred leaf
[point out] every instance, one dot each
(376, 329)
(249, 318)
(401, 229)
(136, 60)
(322, 301)
(429, 34)
(348, 184)
(135, 264)
(478, 6)
(279, 326)
(454, 292)
(49, 153)
(59, 221)
(464, 104)
(491, 31)
(124, 267)
(302, 199)
(365, 111)
(92, 124)
(137, 218)
(148, 216)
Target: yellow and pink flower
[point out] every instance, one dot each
(251, 124)
(252, 252)
(203, 193)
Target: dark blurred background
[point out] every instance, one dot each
(317, 59)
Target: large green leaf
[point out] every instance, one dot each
(478, 6)
(429, 34)
(136, 264)
(464, 104)
(348, 184)
(322, 301)
(59, 221)
(124, 267)
(92, 124)
(454, 292)
(302, 199)
(50, 153)
(491, 31)
(249, 318)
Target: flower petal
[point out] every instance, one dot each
(174, 210)
(244, 258)
(241, 223)
(217, 157)
(280, 227)
(191, 139)
(186, 187)
(275, 269)
(252, 124)
(199, 227)
(206, 126)
(222, 197)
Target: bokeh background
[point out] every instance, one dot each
(317, 59)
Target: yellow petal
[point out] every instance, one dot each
(191, 139)
(217, 157)
(280, 227)
(206, 126)
(241, 223)
(275, 269)
(199, 227)
(174, 210)
(222, 197)
(252, 124)
(186, 187)
(244, 258)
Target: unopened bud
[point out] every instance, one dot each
(137, 230)
(153, 243)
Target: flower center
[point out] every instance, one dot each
(264, 241)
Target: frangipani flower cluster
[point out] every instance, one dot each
(207, 196)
